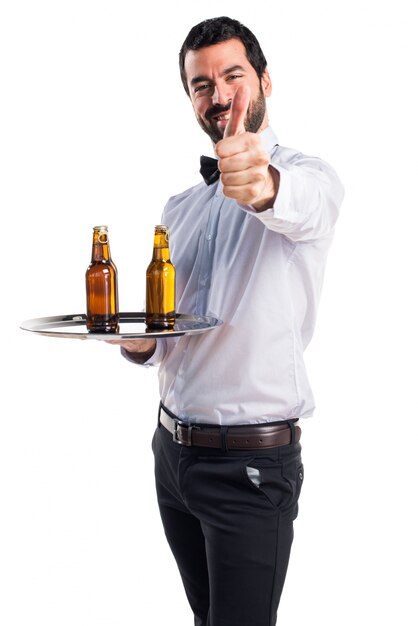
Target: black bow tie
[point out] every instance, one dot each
(209, 169)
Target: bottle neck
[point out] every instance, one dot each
(161, 250)
(100, 248)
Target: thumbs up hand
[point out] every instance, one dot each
(243, 163)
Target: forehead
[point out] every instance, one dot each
(213, 60)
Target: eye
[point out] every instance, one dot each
(202, 87)
(234, 76)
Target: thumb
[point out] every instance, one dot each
(238, 112)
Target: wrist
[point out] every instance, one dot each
(270, 191)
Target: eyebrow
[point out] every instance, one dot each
(202, 78)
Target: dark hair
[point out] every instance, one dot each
(216, 30)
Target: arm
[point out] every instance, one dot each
(307, 205)
(291, 193)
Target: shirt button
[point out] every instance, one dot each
(208, 237)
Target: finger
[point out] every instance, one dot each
(243, 160)
(238, 112)
(243, 177)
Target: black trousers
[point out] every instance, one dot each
(228, 517)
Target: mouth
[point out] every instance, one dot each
(221, 120)
(221, 117)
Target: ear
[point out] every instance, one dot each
(266, 83)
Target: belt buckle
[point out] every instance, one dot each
(176, 438)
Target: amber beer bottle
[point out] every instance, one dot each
(102, 286)
(160, 284)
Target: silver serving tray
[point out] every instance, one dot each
(131, 326)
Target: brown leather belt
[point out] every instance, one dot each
(232, 437)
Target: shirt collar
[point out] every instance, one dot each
(268, 139)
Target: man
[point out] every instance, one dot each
(249, 248)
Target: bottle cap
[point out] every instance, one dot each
(103, 236)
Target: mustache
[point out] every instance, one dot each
(217, 109)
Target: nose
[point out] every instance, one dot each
(221, 94)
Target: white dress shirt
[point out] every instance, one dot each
(261, 273)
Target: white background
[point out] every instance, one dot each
(96, 128)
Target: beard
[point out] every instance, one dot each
(254, 118)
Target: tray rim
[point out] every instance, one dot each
(79, 319)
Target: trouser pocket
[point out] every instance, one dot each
(279, 482)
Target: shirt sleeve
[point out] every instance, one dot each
(309, 198)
